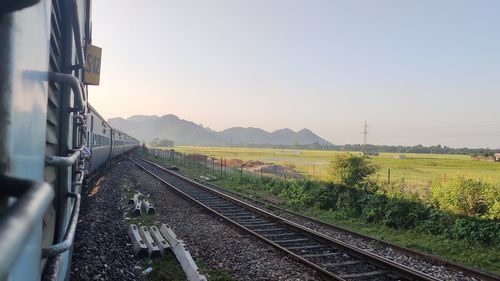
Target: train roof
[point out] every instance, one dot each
(92, 109)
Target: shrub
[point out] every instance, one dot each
(467, 197)
(346, 201)
(475, 230)
(373, 207)
(437, 222)
(295, 195)
(403, 213)
(350, 170)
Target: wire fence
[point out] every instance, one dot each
(219, 166)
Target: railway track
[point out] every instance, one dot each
(332, 258)
(457, 267)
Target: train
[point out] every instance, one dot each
(51, 139)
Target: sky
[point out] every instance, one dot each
(419, 72)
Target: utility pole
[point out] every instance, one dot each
(365, 138)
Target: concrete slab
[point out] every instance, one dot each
(182, 255)
(158, 238)
(169, 235)
(136, 197)
(153, 249)
(148, 206)
(140, 248)
(137, 209)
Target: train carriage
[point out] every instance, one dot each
(50, 137)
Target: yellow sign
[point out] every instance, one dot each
(92, 65)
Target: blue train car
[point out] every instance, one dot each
(50, 138)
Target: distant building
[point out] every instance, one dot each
(497, 156)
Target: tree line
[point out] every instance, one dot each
(437, 149)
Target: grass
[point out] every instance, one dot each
(418, 169)
(164, 268)
(485, 257)
(214, 274)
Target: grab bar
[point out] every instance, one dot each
(17, 224)
(73, 82)
(63, 246)
(63, 161)
(76, 31)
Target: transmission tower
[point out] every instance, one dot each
(365, 138)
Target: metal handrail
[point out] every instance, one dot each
(73, 82)
(76, 31)
(18, 223)
(79, 118)
(64, 245)
(64, 161)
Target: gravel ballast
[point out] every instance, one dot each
(214, 242)
(102, 249)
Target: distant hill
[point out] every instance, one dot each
(184, 132)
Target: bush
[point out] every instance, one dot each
(346, 201)
(343, 202)
(475, 230)
(295, 195)
(350, 170)
(437, 222)
(373, 207)
(402, 213)
(467, 197)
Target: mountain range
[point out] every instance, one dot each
(184, 132)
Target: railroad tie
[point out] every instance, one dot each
(322, 255)
(140, 248)
(135, 198)
(159, 240)
(364, 274)
(137, 208)
(307, 247)
(292, 240)
(153, 249)
(148, 206)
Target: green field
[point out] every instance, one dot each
(413, 169)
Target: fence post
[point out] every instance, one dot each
(261, 173)
(225, 167)
(241, 170)
(389, 176)
(221, 167)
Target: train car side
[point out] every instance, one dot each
(49, 136)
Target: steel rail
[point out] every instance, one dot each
(367, 257)
(457, 267)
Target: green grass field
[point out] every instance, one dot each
(413, 169)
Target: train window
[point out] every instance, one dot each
(101, 141)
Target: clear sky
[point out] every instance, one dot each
(420, 72)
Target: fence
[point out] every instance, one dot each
(217, 166)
